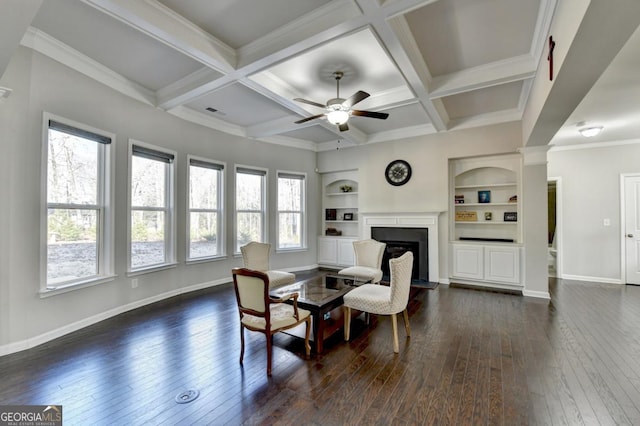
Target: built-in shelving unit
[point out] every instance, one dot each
(340, 213)
(485, 220)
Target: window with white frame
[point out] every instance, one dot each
(291, 210)
(205, 216)
(152, 218)
(78, 197)
(251, 206)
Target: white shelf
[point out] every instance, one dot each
(490, 185)
(341, 221)
(485, 222)
(515, 205)
(337, 194)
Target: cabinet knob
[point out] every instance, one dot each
(630, 235)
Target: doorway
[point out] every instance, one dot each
(554, 234)
(630, 228)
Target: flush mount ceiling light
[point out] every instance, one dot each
(589, 132)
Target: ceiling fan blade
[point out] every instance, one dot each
(304, 120)
(304, 101)
(343, 127)
(372, 114)
(355, 98)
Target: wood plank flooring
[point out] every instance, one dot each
(474, 358)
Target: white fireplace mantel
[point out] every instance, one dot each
(427, 220)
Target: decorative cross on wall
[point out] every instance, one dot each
(552, 45)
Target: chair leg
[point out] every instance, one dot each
(269, 352)
(407, 327)
(241, 343)
(394, 321)
(307, 334)
(347, 323)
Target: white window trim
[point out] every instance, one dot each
(265, 205)
(303, 212)
(170, 196)
(106, 248)
(221, 212)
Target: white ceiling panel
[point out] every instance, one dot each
(239, 22)
(429, 64)
(400, 117)
(453, 35)
(240, 105)
(126, 51)
(488, 100)
(317, 134)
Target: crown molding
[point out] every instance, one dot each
(593, 145)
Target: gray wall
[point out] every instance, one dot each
(41, 84)
(428, 189)
(591, 193)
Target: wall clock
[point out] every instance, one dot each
(398, 172)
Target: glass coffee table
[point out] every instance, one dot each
(322, 296)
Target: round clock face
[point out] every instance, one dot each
(398, 172)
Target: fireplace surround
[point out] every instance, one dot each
(424, 220)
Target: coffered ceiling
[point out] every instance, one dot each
(238, 65)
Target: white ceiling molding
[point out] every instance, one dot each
(286, 54)
(500, 72)
(290, 142)
(314, 28)
(56, 50)
(404, 133)
(487, 119)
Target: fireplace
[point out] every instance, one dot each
(426, 221)
(399, 240)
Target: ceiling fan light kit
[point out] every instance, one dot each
(339, 109)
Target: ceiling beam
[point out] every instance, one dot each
(500, 72)
(587, 40)
(166, 26)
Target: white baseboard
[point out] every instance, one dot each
(591, 279)
(69, 328)
(536, 294)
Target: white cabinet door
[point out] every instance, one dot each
(327, 251)
(468, 261)
(346, 255)
(501, 264)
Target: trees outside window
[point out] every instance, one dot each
(78, 196)
(291, 211)
(205, 218)
(151, 236)
(251, 209)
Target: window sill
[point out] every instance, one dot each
(48, 292)
(291, 250)
(150, 269)
(205, 259)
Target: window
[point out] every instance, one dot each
(151, 236)
(78, 197)
(204, 219)
(251, 206)
(291, 209)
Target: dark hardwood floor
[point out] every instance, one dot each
(474, 357)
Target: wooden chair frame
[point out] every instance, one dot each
(266, 314)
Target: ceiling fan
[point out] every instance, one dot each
(339, 109)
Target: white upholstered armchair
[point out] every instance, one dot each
(255, 256)
(368, 260)
(382, 299)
